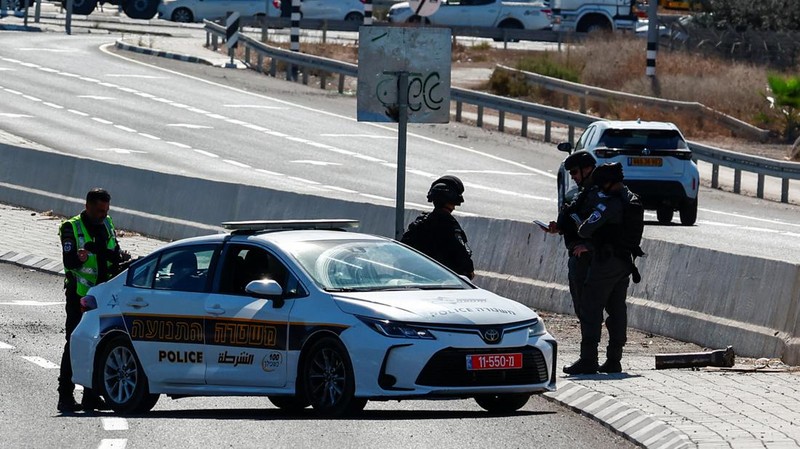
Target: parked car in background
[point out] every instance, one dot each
(656, 160)
(198, 10)
(333, 9)
(479, 13)
(305, 313)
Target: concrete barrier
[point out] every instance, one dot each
(694, 294)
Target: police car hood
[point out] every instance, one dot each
(474, 306)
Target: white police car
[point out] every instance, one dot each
(656, 160)
(305, 315)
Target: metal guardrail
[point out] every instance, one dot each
(718, 157)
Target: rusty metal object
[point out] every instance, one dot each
(720, 357)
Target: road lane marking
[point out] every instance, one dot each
(365, 136)
(125, 128)
(102, 120)
(73, 111)
(120, 150)
(115, 423)
(17, 302)
(5, 346)
(254, 106)
(150, 136)
(46, 364)
(490, 172)
(749, 217)
(189, 125)
(179, 145)
(307, 181)
(206, 153)
(96, 97)
(320, 163)
(236, 163)
(10, 115)
(113, 443)
(53, 105)
(125, 75)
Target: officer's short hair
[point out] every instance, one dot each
(98, 194)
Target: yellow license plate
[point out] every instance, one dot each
(645, 161)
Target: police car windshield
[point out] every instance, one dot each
(370, 265)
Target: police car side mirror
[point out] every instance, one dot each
(565, 147)
(266, 289)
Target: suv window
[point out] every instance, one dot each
(642, 138)
(585, 137)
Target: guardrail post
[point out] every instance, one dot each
(214, 42)
(341, 83)
(208, 39)
(737, 180)
(524, 126)
(714, 176)
(547, 125)
(322, 80)
(480, 116)
(459, 106)
(324, 31)
(785, 190)
(260, 68)
(305, 76)
(760, 187)
(571, 134)
(583, 104)
(273, 67)
(247, 54)
(501, 121)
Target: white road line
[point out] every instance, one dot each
(267, 172)
(145, 95)
(367, 158)
(102, 120)
(216, 116)
(125, 75)
(181, 105)
(322, 163)
(376, 197)
(82, 114)
(339, 189)
(307, 181)
(113, 443)
(96, 97)
(10, 115)
(125, 128)
(253, 106)
(46, 364)
(236, 122)
(53, 105)
(32, 98)
(491, 172)
(91, 80)
(150, 136)
(127, 89)
(749, 217)
(115, 423)
(5, 346)
(236, 163)
(197, 110)
(206, 153)
(189, 125)
(12, 91)
(111, 85)
(179, 145)
(367, 136)
(31, 303)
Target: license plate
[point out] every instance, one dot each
(494, 361)
(645, 161)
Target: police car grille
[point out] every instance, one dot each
(448, 368)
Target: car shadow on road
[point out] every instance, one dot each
(270, 414)
(602, 376)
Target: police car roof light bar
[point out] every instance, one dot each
(252, 226)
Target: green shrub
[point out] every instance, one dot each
(546, 65)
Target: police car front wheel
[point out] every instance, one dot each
(329, 380)
(122, 381)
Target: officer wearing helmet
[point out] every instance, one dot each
(580, 165)
(437, 234)
(615, 228)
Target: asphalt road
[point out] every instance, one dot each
(31, 340)
(72, 95)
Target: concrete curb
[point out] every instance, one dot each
(161, 53)
(32, 261)
(622, 419)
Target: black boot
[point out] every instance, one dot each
(92, 401)
(582, 366)
(67, 404)
(613, 357)
(610, 366)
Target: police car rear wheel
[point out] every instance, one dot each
(122, 380)
(328, 379)
(502, 403)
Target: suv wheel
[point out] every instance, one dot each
(664, 214)
(688, 212)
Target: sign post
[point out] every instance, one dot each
(231, 35)
(403, 77)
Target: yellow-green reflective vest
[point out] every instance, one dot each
(86, 275)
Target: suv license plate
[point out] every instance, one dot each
(645, 161)
(494, 361)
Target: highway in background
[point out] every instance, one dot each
(76, 96)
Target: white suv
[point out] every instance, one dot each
(656, 161)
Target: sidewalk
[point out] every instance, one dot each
(677, 408)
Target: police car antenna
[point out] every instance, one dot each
(255, 226)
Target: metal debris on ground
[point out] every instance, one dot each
(719, 358)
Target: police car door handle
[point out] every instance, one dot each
(138, 303)
(215, 310)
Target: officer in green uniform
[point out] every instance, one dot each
(91, 255)
(615, 228)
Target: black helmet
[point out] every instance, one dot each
(579, 159)
(446, 189)
(610, 172)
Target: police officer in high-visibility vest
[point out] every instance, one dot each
(91, 255)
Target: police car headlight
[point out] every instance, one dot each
(537, 329)
(397, 330)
